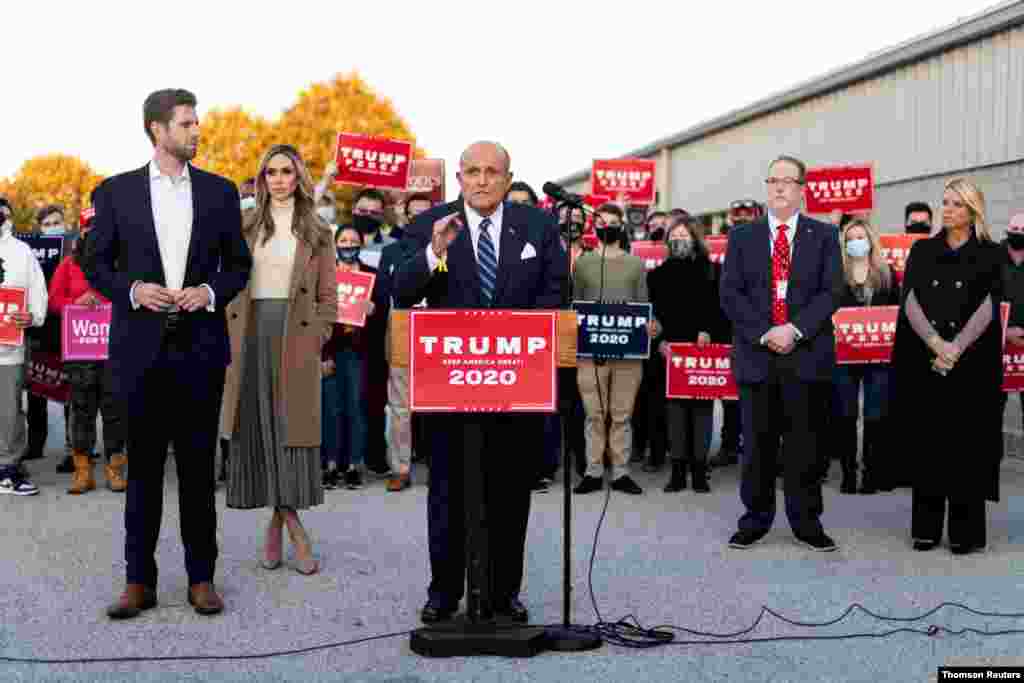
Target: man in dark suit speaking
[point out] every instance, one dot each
(781, 283)
(481, 252)
(167, 250)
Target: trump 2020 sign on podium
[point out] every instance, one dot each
(470, 361)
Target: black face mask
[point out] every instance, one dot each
(571, 230)
(609, 235)
(1015, 240)
(657, 235)
(348, 254)
(366, 225)
(919, 229)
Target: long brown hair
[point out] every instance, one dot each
(306, 223)
(879, 275)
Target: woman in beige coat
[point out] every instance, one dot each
(278, 325)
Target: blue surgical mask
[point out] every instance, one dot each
(858, 248)
(348, 254)
(248, 203)
(54, 229)
(327, 213)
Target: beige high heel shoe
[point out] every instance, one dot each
(309, 565)
(273, 546)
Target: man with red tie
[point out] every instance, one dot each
(780, 286)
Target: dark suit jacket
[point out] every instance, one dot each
(815, 286)
(124, 249)
(531, 283)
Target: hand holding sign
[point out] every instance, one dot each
(21, 319)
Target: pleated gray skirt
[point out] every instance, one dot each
(262, 472)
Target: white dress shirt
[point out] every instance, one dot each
(172, 217)
(21, 269)
(475, 219)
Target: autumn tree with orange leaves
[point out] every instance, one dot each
(50, 179)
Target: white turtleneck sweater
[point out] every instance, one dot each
(21, 269)
(272, 262)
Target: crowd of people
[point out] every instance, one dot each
(233, 315)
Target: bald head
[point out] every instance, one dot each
(485, 148)
(484, 176)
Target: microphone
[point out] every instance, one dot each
(560, 194)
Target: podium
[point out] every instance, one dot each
(477, 633)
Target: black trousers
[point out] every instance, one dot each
(786, 406)
(650, 423)
(966, 519)
(178, 403)
(506, 494)
(731, 425)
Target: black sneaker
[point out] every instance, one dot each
(13, 482)
(819, 542)
(543, 485)
(330, 480)
(589, 485)
(626, 484)
(353, 479)
(743, 539)
(922, 546)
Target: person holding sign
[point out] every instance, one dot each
(869, 282)
(345, 364)
(1013, 285)
(278, 324)
(21, 275)
(781, 283)
(91, 390)
(683, 292)
(609, 387)
(477, 253)
(948, 356)
(168, 254)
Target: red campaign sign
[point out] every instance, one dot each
(373, 162)
(701, 372)
(426, 176)
(12, 300)
(717, 246)
(865, 334)
(471, 361)
(45, 376)
(896, 250)
(85, 332)
(1013, 368)
(354, 291)
(633, 178)
(846, 188)
(653, 254)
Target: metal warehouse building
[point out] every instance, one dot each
(944, 104)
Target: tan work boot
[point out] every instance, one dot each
(115, 473)
(82, 480)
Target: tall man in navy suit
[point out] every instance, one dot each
(168, 253)
(780, 286)
(481, 252)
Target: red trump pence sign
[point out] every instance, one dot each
(846, 188)
(373, 162)
(717, 245)
(470, 361)
(632, 179)
(896, 250)
(700, 372)
(653, 254)
(354, 292)
(865, 335)
(12, 300)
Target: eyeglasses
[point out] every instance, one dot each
(784, 182)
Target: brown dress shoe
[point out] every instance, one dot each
(203, 597)
(136, 599)
(399, 482)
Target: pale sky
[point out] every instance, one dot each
(557, 82)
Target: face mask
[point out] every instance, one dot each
(680, 248)
(919, 229)
(858, 248)
(657, 235)
(54, 229)
(609, 235)
(327, 213)
(248, 203)
(366, 225)
(348, 254)
(1015, 239)
(640, 235)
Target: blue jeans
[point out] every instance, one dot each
(875, 378)
(344, 423)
